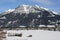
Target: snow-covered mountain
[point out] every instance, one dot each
(29, 16)
(27, 9)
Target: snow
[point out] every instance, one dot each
(50, 25)
(39, 16)
(10, 10)
(55, 12)
(3, 17)
(25, 8)
(36, 35)
(22, 26)
(37, 6)
(41, 25)
(45, 8)
(8, 23)
(30, 9)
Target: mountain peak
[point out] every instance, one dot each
(10, 10)
(28, 16)
(28, 9)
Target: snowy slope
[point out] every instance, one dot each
(36, 35)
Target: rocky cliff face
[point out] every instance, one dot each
(29, 16)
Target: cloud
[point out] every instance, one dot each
(48, 2)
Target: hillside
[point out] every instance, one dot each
(29, 16)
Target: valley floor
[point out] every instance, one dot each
(31, 35)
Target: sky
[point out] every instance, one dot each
(53, 5)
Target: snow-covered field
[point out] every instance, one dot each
(36, 35)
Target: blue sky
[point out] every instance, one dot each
(11, 4)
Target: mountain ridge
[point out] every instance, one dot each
(29, 16)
